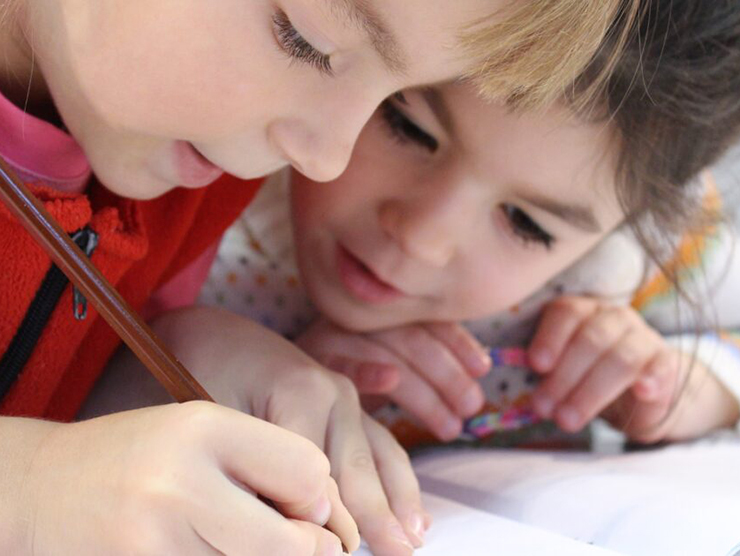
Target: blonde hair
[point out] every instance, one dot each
(536, 49)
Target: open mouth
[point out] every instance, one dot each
(361, 282)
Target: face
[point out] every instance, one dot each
(452, 209)
(173, 92)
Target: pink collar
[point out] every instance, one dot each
(40, 152)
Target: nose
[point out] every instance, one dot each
(314, 153)
(428, 227)
(319, 142)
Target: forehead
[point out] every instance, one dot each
(550, 151)
(420, 39)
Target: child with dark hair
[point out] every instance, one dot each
(588, 232)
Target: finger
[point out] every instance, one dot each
(370, 377)
(367, 364)
(308, 415)
(595, 336)
(354, 468)
(660, 379)
(612, 375)
(463, 345)
(434, 362)
(341, 522)
(647, 421)
(399, 481)
(417, 397)
(559, 322)
(273, 462)
(233, 521)
(319, 541)
(697, 386)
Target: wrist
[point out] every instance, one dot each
(704, 405)
(22, 440)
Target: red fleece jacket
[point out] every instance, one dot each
(142, 244)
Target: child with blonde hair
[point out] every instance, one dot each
(117, 114)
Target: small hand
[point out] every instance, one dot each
(591, 353)
(268, 377)
(180, 479)
(430, 370)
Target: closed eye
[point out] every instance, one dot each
(298, 48)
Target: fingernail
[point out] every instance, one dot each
(480, 363)
(569, 419)
(451, 429)
(543, 405)
(649, 386)
(321, 511)
(471, 401)
(398, 534)
(416, 525)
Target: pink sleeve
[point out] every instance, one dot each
(183, 289)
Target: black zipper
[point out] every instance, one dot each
(39, 312)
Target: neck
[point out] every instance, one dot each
(20, 80)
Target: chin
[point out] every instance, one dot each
(139, 187)
(359, 319)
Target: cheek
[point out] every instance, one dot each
(373, 174)
(186, 68)
(489, 287)
(313, 204)
(487, 294)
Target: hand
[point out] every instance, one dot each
(701, 405)
(177, 479)
(596, 358)
(430, 370)
(247, 367)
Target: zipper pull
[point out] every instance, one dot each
(87, 240)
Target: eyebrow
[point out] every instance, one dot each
(576, 215)
(362, 14)
(440, 108)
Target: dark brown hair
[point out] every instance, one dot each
(674, 99)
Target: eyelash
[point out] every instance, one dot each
(298, 48)
(406, 131)
(403, 129)
(525, 228)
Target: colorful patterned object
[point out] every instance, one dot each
(509, 357)
(495, 421)
(516, 416)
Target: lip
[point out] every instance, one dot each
(361, 282)
(193, 169)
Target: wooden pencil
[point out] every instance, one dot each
(82, 273)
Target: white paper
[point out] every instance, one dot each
(678, 501)
(460, 530)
